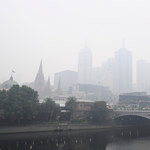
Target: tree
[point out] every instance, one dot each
(3, 100)
(71, 104)
(20, 103)
(98, 112)
(49, 107)
(57, 111)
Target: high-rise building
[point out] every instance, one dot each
(96, 75)
(123, 71)
(39, 82)
(85, 65)
(143, 76)
(108, 73)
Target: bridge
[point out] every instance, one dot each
(131, 116)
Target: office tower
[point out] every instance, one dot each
(143, 76)
(108, 73)
(96, 75)
(85, 65)
(123, 71)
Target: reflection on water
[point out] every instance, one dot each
(119, 139)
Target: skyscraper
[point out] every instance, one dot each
(143, 76)
(123, 71)
(85, 65)
(107, 73)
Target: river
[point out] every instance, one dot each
(119, 139)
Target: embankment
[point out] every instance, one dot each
(53, 127)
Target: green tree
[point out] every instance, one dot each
(3, 100)
(57, 111)
(49, 107)
(71, 104)
(21, 103)
(30, 102)
(98, 112)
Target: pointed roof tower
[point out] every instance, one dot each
(39, 82)
(59, 91)
(48, 89)
(40, 68)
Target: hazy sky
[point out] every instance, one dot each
(56, 30)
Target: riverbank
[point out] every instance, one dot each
(55, 128)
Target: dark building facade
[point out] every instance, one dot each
(135, 98)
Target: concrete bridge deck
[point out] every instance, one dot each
(121, 113)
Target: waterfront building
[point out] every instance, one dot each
(85, 65)
(134, 98)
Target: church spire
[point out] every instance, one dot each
(41, 68)
(59, 91)
(39, 82)
(48, 89)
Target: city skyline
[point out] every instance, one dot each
(52, 75)
(55, 31)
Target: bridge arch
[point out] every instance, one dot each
(137, 115)
(132, 119)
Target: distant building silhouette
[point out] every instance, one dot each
(39, 82)
(67, 77)
(134, 98)
(108, 73)
(47, 93)
(59, 90)
(123, 71)
(143, 76)
(8, 84)
(85, 65)
(43, 89)
(96, 75)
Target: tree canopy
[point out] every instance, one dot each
(98, 112)
(71, 104)
(18, 103)
(49, 107)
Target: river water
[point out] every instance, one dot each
(118, 139)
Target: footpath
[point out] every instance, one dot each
(53, 128)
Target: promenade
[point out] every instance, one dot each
(51, 128)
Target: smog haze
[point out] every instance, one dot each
(55, 31)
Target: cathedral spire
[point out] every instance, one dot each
(48, 89)
(41, 68)
(59, 91)
(39, 82)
